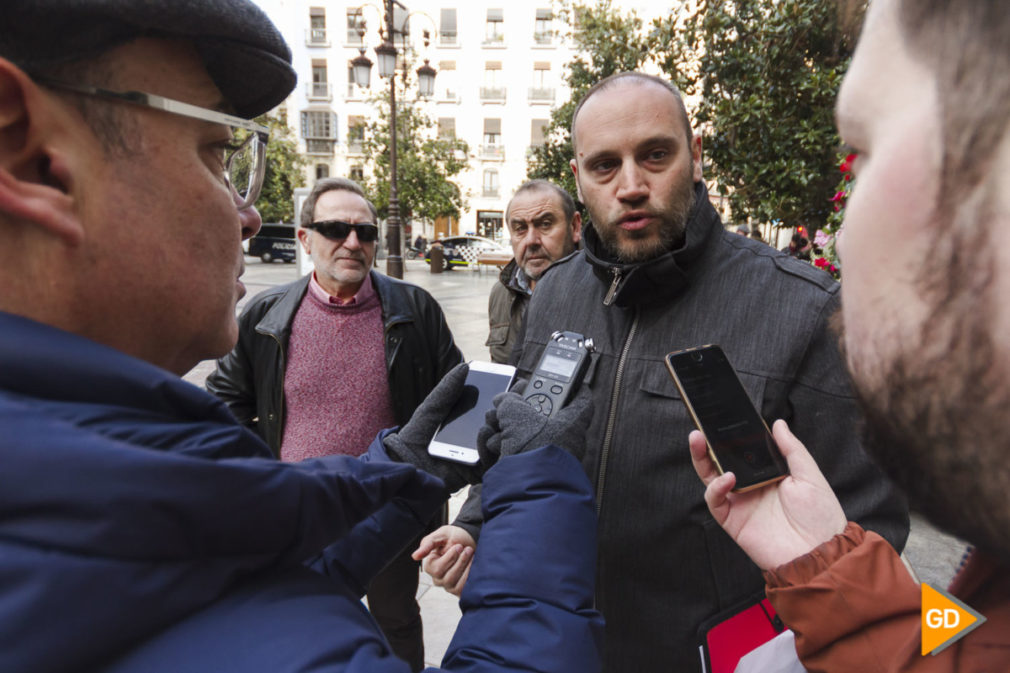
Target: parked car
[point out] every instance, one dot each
(274, 241)
(464, 250)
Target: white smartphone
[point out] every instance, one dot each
(456, 438)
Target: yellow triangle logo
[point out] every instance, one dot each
(945, 620)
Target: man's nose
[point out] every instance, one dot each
(251, 222)
(352, 242)
(532, 237)
(631, 183)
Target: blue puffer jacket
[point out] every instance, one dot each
(142, 529)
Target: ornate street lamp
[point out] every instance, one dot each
(386, 54)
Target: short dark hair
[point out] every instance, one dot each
(608, 82)
(331, 185)
(567, 202)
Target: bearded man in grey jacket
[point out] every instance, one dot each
(659, 273)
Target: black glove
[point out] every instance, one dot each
(513, 426)
(410, 444)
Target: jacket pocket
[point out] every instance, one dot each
(498, 335)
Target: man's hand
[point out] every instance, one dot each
(410, 444)
(514, 426)
(779, 522)
(447, 554)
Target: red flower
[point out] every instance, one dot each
(839, 196)
(847, 164)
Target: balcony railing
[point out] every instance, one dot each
(316, 37)
(492, 93)
(319, 146)
(319, 91)
(497, 41)
(544, 95)
(355, 146)
(492, 192)
(447, 39)
(543, 39)
(493, 152)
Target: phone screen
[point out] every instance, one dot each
(736, 433)
(456, 439)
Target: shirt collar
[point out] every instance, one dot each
(364, 292)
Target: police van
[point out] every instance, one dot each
(274, 241)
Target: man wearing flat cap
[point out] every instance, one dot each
(142, 528)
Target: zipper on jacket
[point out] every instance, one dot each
(280, 407)
(616, 273)
(608, 436)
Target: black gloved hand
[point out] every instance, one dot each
(513, 426)
(410, 444)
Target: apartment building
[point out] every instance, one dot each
(499, 75)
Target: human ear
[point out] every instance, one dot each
(696, 158)
(34, 173)
(575, 171)
(303, 238)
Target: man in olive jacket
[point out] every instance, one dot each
(324, 363)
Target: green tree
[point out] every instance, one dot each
(285, 171)
(425, 163)
(607, 42)
(768, 73)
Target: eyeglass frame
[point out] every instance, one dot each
(260, 133)
(352, 226)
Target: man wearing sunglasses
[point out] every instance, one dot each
(142, 527)
(324, 363)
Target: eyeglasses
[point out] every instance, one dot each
(335, 230)
(245, 160)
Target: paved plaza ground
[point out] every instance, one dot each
(463, 296)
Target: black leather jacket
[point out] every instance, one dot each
(250, 380)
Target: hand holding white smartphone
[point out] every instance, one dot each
(456, 438)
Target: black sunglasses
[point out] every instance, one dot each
(335, 230)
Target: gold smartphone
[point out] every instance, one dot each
(739, 440)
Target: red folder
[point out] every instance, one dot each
(726, 638)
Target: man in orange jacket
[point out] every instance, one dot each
(926, 104)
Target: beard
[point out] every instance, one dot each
(937, 410)
(638, 246)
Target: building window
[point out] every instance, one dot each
(319, 124)
(493, 89)
(448, 88)
(322, 171)
(319, 87)
(492, 147)
(319, 129)
(353, 18)
(447, 128)
(357, 173)
(491, 224)
(494, 31)
(538, 132)
(541, 91)
(317, 26)
(447, 29)
(542, 27)
(491, 183)
(355, 134)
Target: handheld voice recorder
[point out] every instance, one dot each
(559, 372)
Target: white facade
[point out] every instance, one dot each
(498, 79)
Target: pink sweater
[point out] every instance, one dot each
(336, 389)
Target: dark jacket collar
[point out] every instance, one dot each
(661, 278)
(507, 277)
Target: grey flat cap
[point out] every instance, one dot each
(242, 50)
